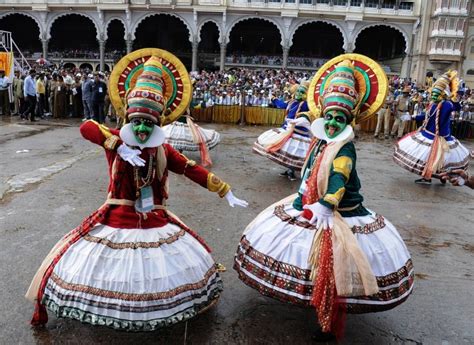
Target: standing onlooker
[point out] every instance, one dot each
(4, 98)
(77, 109)
(383, 116)
(419, 113)
(18, 98)
(60, 99)
(98, 91)
(40, 95)
(86, 96)
(402, 106)
(464, 121)
(68, 83)
(29, 90)
(52, 86)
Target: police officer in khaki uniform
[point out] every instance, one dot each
(383, 116)
(402, 106)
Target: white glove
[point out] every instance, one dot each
(321, 214)
(130, 155)
(233, 201)
(300, 121)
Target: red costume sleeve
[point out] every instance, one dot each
(180, 164)
(101, 135)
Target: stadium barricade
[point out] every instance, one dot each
(264, 116)
(218, 114)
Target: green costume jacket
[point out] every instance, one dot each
(343, 185)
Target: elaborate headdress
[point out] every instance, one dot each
(151, 82)
(340, 93)
(447, 84)
(146, 98)
(294, 87)
(352, 83)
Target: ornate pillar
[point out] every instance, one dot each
(44, 43)
(286, 52)
(102, 54)
(129, 45)
(222, 61)
(194, 61)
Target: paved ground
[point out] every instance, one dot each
(50, 178)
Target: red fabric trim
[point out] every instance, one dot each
(40, 317)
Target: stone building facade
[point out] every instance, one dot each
(437, 34)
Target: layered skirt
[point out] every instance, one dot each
(133, 279)
(291, 155)
(179, 136)
(272, 258)
(412, 153)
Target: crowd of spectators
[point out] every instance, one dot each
(90, 54)
(275, 60)
(236, 86)
(242, 86)
(59, 93)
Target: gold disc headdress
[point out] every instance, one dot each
(176, 84)
(370, 84)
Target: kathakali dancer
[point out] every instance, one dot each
(132, 265)
(432, 149)
(185, 135)
(321, 247)
(288, 145)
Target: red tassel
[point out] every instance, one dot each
(331, 312)
(338, 322)
(40, 316)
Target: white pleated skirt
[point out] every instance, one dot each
(133, 279)
(291, 155)
(272, 258)
(412, 153)
(179, 136)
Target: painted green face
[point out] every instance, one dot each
(142, 129)
(436, 94)
(334, 123)
(300, 94)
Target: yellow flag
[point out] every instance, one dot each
(6, 63)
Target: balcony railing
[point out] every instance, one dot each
(453, 11)
(447, 33)
(446, 52)
(371, 6)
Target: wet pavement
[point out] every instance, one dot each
(50, 179)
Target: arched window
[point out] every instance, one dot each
(470, 72)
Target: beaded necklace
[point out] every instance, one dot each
(140, 181)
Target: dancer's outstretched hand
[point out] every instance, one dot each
(321, 214)
(233, 201)
(131, 155)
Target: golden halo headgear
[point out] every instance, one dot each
(355, 73)
(176, 89)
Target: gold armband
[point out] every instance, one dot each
(215, 184)
(335, 198)
(343, 165)
(111, 142)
